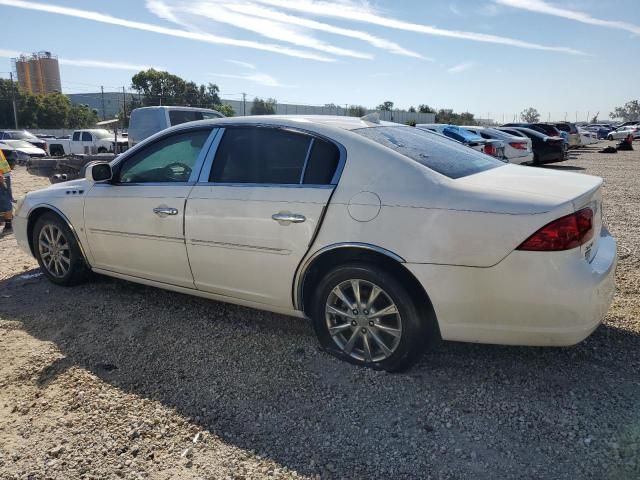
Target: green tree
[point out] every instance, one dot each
(263, 107)
(54, 111)
(530, 115)
(423, 108)
(449, 116)
(226, 110)
(629, 112)
(81, 116)
(385, 106)
(412, 109)
(357, 111)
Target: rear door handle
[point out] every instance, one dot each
(165, 211)
(285, 218)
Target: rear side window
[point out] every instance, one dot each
(86, 137)
(177, 117)
(322, 164)
(439, 154)
(144, 123)
(260, 155)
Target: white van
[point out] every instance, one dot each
(146, 121)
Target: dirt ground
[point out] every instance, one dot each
(116, 380)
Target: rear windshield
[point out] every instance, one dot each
(433, 151)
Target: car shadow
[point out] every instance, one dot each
(258, 381)
(563, 167)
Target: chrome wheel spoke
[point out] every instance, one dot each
(375, 291)
(355, 285)
(394, 332)
(352, 341)
(367, 348)
(340, 294)
(65, 260)
(341, 313)
(383, 346)
(333, 331)
(389, 310)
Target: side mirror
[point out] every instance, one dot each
(98, 172)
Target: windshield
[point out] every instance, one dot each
(21, 135)
(102, 134)
(439, 154)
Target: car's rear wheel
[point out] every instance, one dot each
(609, 137)
(365, 316)
(57, 251)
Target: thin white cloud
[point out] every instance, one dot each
(217, 12)
(455, 10)
(462, 67)
(242, 64)
(198, 36)
(363, 13)
(90, 63)
(259, 78)
(381, 43)
(541, 6)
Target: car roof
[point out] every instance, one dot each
(340, 122)
(176, 107)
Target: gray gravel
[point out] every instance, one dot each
(112, 379)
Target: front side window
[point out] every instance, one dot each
(439, 154)
(260, 155)
(170, 159)
(76, 136)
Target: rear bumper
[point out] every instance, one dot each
(529, 298)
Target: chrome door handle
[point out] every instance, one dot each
(285, 218)
(164, 211)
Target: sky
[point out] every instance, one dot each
(494, 58)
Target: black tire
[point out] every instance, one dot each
(610, 138)
(416, 324)
(77, 271)
(102, 150)
(536, 160)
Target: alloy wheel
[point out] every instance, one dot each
(54, 250)
(363, 320)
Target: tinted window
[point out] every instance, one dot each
(182, 116)
(322, 163)
(168, 160)
(144, 123)
(76, 136)
(86, 137)
(438, 154)
(260, 155)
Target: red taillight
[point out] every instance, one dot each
(519, 146)
(490, 149)
(562, 234)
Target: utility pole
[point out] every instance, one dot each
(102, 94)
(244, 103)
(13, 101)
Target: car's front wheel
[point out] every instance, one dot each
(364, 315)
(57, 251)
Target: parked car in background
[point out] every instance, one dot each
(602, 130)
(516, 149)
(587, 137)
(546, 149)
(14, 156)
(25, 148)
(147, 121)
(23, 135)
(87, 142)
(393, 238)
(624, 132)
(573, 136)
(495, 148)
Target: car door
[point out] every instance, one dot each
(75, 145)
(134, 224)
(87, 143)
(254, 213)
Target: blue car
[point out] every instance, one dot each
(457, 133)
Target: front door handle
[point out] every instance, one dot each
(285, 218)
(165, 211)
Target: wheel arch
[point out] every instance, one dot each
(37, 212)
(319, 263)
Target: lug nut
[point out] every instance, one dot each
(371, 323)
(366, 312)
(355, 311)
(364, 330)
(354, 323)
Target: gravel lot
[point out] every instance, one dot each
(112, 379)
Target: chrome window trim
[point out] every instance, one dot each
(206, 171)
(306, 262)
(197, 167)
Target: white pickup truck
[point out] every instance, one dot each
(86, 142)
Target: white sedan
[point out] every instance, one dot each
(388, 238)
(25, 148)
(517, 150)
(624, 132)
